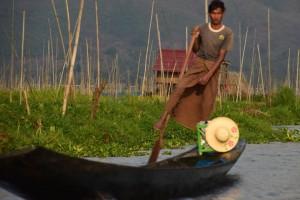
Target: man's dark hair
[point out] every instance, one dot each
(216, 4)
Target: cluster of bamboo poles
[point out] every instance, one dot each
(260, 80)
(52, 71)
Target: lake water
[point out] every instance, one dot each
(263, 172)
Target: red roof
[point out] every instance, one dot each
(171, 58)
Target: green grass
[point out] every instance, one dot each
(123, 126)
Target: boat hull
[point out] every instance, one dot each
(43, 174)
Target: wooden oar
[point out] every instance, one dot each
(159, 143)
(188, 55)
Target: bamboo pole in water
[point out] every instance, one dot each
(239, 90)
(114, 89)
(88, 68)
(56, 62)
(70, 38)
(82, 77)
(253, 60)
(12, 62)
(58, 27)
(288, 70)
(25, 94)
(297, 73)
(261, 72)
(149, 65)
(38, 74)
(112, 78)
(147, 48)
(269, 53)
(98, 45)
(128, 83)
(74, 53)
(29, 68)
(136, 85)
(43, 68)
(116, 75)
(252, 66)
(48, 64)
(2, 75)
(171, 80)
(22, 56)
(161, 57)
(51, 67)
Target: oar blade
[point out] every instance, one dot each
(155, 152)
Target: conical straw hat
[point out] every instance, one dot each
(222, 134)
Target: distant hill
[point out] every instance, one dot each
(124, 27)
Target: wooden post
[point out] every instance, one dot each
(88, 67)
(70, 50)
(269, 52)
(58, 27)
(74, 53)
(161, 57)
(22, 56)
(96, 98)
(171, 80)
(43, 67)
(261, 72)
(288, 69)
(116, 75)
(98, 45)
(147, 49)
(297, 73)
(151, 57)
(51, 58)
(26, 101)
(38, 74)
(137, 74)
(239, 90)
(253, 59)
(12, 64)
(48, 64)
(56, 62)
(69, 33)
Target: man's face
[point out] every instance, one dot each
(216, 16)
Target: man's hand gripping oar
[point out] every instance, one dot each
(159, 143)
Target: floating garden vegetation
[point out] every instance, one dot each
(123, 125)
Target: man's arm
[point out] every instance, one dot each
(204, 79)
(196, 32)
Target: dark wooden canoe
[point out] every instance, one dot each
(43, 174)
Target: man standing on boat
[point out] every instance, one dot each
(194, 97)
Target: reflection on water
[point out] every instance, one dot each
(266, 172)
(225, 189)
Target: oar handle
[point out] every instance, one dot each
(187, 55)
